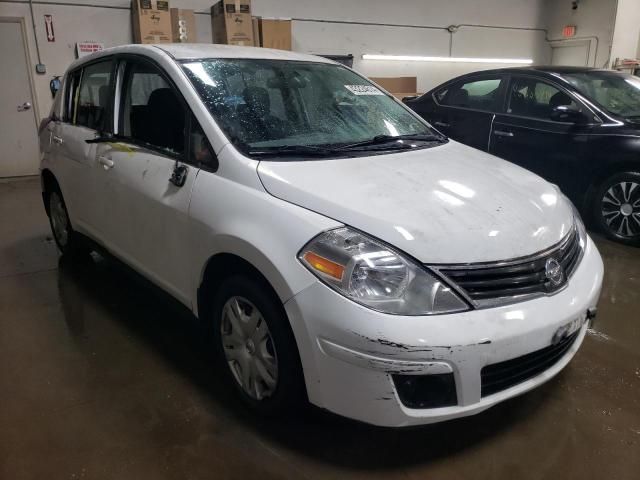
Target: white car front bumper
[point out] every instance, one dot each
(349, 353)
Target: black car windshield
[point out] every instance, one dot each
(616, 92)
(299, 108)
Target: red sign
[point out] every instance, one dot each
(48, 26)
(569, 31)
(86, 48)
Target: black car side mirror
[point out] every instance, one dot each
(567, 113)
(409, 98)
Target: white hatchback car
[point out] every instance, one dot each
(336, 246)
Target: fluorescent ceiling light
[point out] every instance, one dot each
(414, 58)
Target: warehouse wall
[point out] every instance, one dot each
(595, 22)
(516, 36)
(626, 39)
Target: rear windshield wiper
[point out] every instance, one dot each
(382, 139)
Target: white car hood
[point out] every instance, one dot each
(447, 204)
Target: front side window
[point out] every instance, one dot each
(529, 97)
(482, 94)
(617, 92)
(151, 111)
(91, 99)
(274, 104)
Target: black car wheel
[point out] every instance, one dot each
(616, 207)
(255, 346)
(67, 240)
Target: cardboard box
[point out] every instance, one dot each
(151, 21)
(231, 22)
(255, 23)
(397, 85)
(274, 33)
(183, 26)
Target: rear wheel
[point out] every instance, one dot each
(616, 207)
(66, 238)
(255, 346)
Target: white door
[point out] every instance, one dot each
(145, 217)
(19, 131)
(571, 54)
(86, 114)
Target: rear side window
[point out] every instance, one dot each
(481, 94)
(91, 100)
(152, 112)
(534, 98)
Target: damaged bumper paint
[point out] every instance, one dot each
(349, 352)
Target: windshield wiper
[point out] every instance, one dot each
(382, 139)
(292, 150)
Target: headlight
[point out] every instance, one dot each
(582, 231)
(372, 274)
(577, 221)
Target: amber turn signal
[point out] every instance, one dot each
(324, 265)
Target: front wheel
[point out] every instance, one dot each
(616, 207)
(256, 347)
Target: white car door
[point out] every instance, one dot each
(145, 217)
(86, 115)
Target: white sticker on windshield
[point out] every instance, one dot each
(363, 90)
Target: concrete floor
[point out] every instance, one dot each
(103, 377)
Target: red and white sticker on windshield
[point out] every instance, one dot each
(363, 90)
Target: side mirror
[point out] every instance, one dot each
(567, 113)
(54, 85)
(409, 98)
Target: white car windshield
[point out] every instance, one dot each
(619, 93)
(268, 105)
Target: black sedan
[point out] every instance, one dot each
(577, 127)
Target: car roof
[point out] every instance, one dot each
(551, 72)
(544, 69)
(190, 51)
(193, 51)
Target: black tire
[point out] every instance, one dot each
(69, 243)
(615, 208)
(289, 393)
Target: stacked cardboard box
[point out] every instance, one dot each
(183, 26)
(272, 33)
(151, 21)
(231, 22)
(399, 87)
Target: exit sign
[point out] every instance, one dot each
(569, 31)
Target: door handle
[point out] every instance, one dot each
(441, 124)
(106, 163)
(57, 139)
(24, 106)
(502, 133)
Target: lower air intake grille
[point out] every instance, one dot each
(500, 376)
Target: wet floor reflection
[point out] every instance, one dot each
(104, 376)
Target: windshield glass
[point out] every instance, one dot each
(619, 93)
(270, 104)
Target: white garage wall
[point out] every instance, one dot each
(334, 38)
(595, 22)
(626, 39)
(74, 21)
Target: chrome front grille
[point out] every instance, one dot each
(488, 284)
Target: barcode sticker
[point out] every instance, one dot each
(363, 90)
